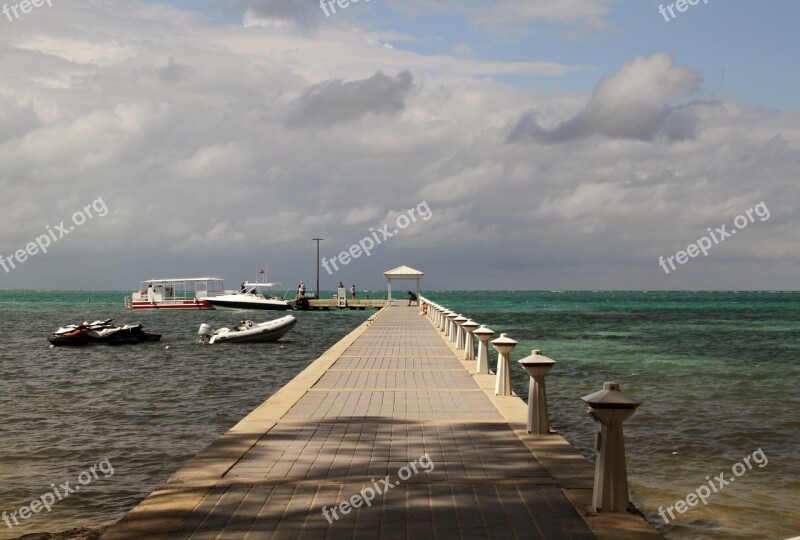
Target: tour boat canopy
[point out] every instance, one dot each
(187, 280)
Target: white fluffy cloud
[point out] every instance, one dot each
(634, 103)
(216, 145)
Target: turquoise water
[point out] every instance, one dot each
(717, 373)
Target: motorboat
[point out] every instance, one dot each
(247, 331)
(176, 294)
(251, 296)
(100, 332)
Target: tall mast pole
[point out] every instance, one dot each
(316, 291)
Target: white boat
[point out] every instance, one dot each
(247, 331)
(176, 294)
(250, 296)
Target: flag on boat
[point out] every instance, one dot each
(261, 271)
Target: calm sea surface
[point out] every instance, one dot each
(717, 372)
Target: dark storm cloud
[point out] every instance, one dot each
(335, 101)
(644, 124)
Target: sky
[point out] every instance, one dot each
(541, 144)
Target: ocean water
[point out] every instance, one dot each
(717, 373)
(144, 408)
(718, 376)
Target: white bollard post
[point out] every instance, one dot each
(537, 366)
(443, 322)
(503, 345)
(460, 320)
(483, 334)
(451, 328)
(469, 342)
(610, 407)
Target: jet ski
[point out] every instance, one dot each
(100, 332)
(247, 331)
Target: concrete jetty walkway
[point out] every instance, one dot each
(390, 414)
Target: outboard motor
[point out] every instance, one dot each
(205, 332)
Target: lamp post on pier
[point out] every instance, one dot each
(316, 291)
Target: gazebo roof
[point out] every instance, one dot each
(404, 272)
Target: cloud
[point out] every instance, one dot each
(215, 145)
(361, 215)
(334, 102)
(17, 116)
(634, 103)
(171, 73)
(300, 12)
(79, 51)
(467, 182)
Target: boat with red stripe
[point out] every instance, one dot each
(176, 294)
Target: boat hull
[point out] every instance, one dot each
(119, 336)
(180, 305)
(60, 341)
(277, 305)
(259, 333)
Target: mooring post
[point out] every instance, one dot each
(483, 334)
(537, 366)
(503, 345)
(610, 407)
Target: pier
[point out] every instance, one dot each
(326, 304)
(341, 301)
(388, 434)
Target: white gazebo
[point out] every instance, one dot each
(402, 272)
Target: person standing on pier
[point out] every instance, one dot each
(411, 298)
(353, 290)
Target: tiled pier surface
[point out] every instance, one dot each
(386, 395)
